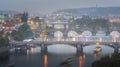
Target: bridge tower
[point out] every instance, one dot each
(79, 50)
(43, 49)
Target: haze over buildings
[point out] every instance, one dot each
(47, 6)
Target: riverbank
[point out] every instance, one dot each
(108, 61)
(4, 53)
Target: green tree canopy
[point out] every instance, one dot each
(23, 32)
(3, 40)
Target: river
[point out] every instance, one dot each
(57, 53)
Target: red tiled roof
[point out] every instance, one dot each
(8, 25)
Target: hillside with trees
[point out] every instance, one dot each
(93, 11)
(92, 24)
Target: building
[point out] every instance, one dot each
(2, 18)
(114, 20)
(24, 17)
(8, 27)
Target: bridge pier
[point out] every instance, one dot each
(116, 48)
(65, 26)
(43, 49)
(79, 50)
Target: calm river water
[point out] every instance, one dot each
(58, 53)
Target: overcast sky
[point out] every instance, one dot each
(46, 6)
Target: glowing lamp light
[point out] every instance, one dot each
(84, 39)
(100, 40)
(97, 43)
(73, 39)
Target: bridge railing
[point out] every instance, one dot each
(71, 39)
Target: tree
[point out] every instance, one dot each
(4, 40)
(23, 32)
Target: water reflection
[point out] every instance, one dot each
(81, 61)
(67, 62)
(56, 54)
(61, 49)
(33, 50)
(96, 54)
(45, 60)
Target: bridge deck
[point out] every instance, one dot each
(61, 42)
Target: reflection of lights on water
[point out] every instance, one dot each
(28, 52)
(32, 50)
(95, 55)
(45, 60)
(80, 61)
(83, 56)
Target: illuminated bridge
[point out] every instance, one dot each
(78, 43)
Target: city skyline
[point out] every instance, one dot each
(48, 6)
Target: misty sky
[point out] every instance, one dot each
(46, 6)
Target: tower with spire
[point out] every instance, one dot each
(24, 17)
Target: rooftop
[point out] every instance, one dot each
(2, 16)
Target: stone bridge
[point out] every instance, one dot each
(78, 44)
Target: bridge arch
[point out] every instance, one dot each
(111, 46)
(72, 33)
(58, 34)
(90, 49)
(62, 48)
(115, 34)
(73, 45)
(86, 33)
(101, 33)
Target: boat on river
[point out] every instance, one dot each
(68, 61)
(97, 49)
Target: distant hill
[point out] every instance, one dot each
(93, 11)
(7, 12)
